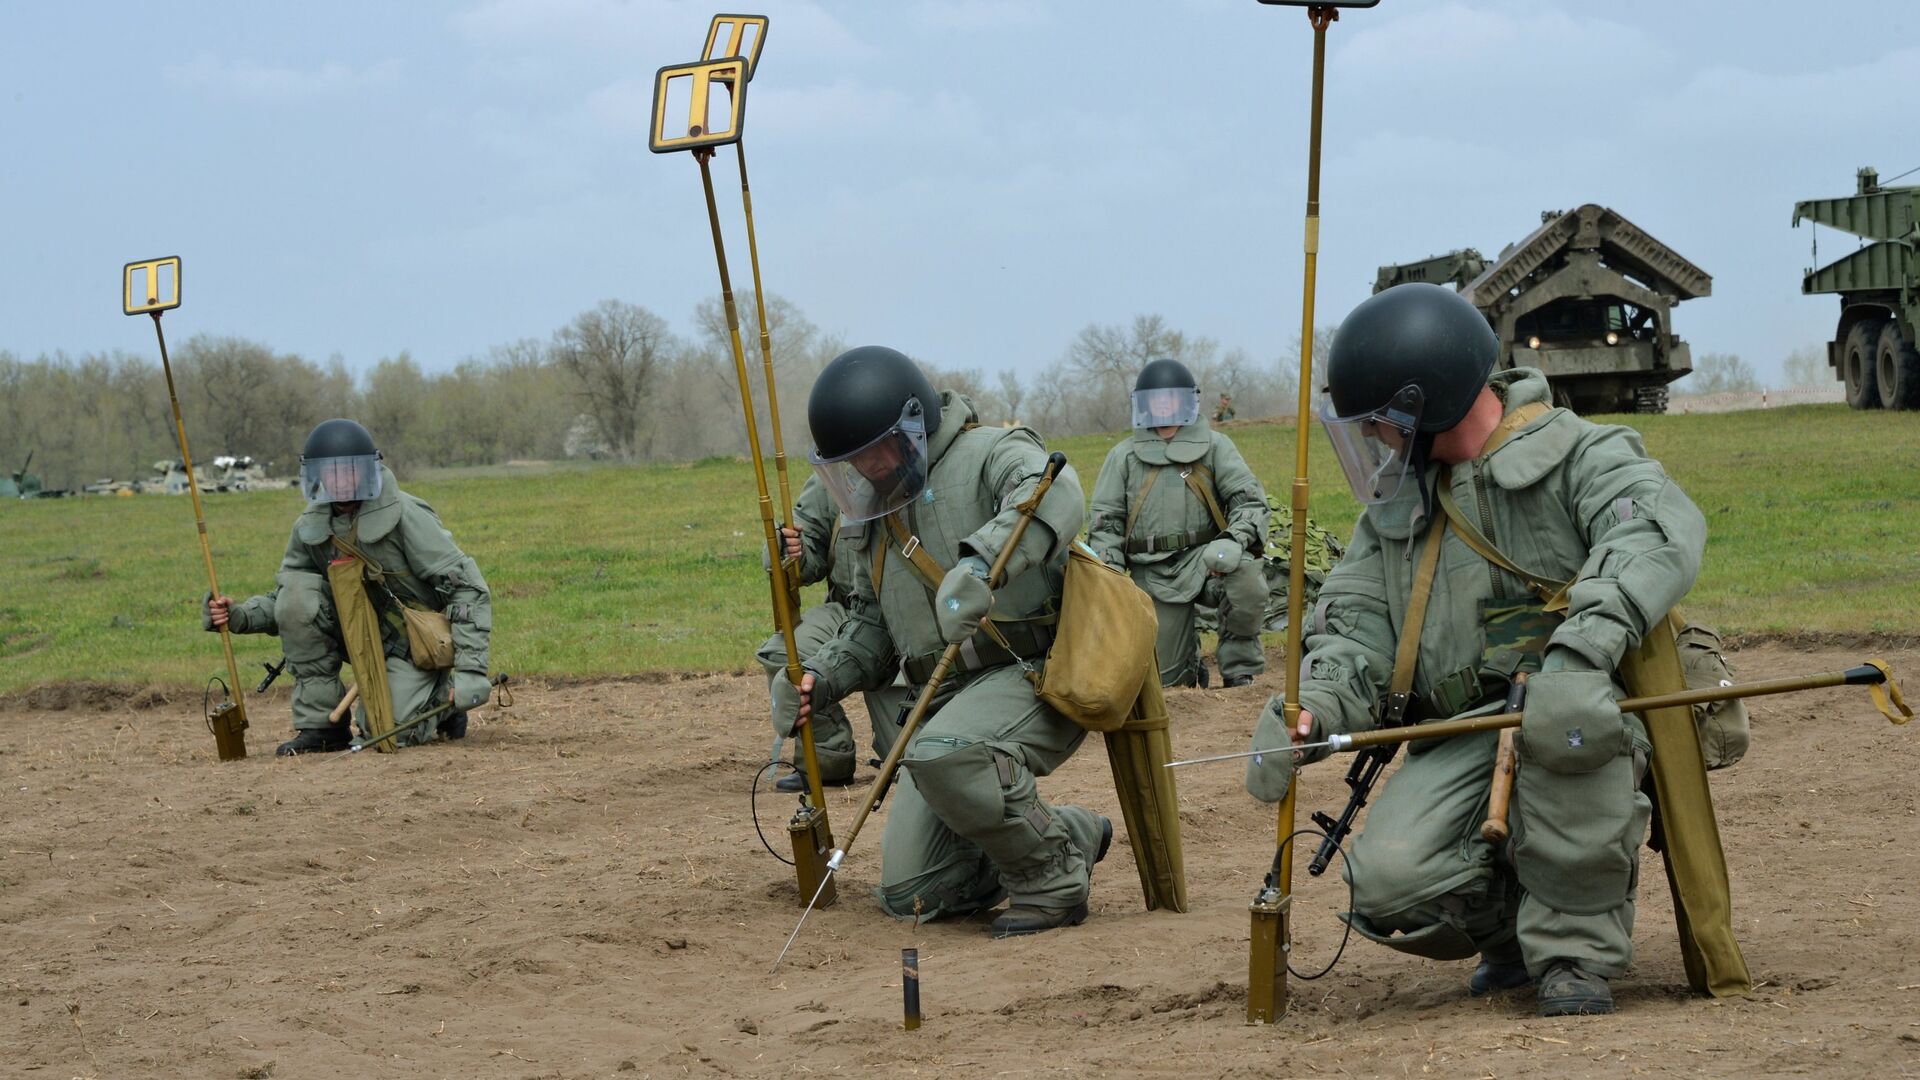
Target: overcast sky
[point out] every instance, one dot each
(970, 182)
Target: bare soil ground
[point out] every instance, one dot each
(576, 890)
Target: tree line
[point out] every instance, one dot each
(617, 382)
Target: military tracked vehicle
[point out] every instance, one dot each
(1872, 351)
(1587, 298)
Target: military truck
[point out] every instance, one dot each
(1587, 298)
(1872, 351)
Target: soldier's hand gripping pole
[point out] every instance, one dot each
(995, 578)
(227, 720)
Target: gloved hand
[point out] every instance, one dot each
(1269, 775)
(792, 705)
(1570, 723)
(1223, 555)
(470, 689)
(963, 599)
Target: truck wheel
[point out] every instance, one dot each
(1860, 365)
(1897, 369)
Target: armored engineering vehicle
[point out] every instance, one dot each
(1587, 298)
(1872, 351)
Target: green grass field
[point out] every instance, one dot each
(619, 570)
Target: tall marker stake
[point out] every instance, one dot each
(1271, 937)
(227, 720)
(717, 106)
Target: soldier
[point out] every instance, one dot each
(1417, 425)
(827, 548)
(356, 512)
(939, 494)
(1178, 509)
(1223, 410)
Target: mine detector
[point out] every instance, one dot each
(1587, 298)
(1872, 351)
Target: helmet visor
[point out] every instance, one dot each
(1175, 406)
(880, 477)
(354, 478)
(1375, 448)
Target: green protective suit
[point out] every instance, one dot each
(1171, 527)
(967, 823)
(1561, 497)
(830, 549)
(424, 567)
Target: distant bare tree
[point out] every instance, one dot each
(1720, 373)
(1013, 394)
(612, 354)
(1806, 368)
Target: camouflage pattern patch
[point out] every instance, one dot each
(1515, 635)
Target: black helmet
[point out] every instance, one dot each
(873, 413)
(863, 393)
(1417, 335)
(340, 464)
(339, 438)
(1165, 395)
(1164, 374)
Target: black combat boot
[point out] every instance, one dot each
(1569, 990)
(1228, 682)
(1497, 974)
(795, 782)
(455, 726)
(1022, 919)
(326, 740)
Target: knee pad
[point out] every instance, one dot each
(961, 785)
(1245, 592)
(303, 610)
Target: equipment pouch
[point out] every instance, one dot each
(429, 638)
(1724, 728)
(1570, 724)
(1103, 647)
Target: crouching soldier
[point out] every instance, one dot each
(366, 560)
(1456, 463)
(940, 496)
(1178, 509)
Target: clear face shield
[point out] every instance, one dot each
(882, 476)
(1165, 407)
(1375, 448)
(355, 478)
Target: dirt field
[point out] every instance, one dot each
(576, 891)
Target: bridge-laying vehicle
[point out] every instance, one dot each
(1587, 298)
(1872, 351)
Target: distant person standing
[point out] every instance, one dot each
(1223, 411)
(1177, 508)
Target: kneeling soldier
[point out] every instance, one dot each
(1443, 450)
(940, 496)
(361, 532)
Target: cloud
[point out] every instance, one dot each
(264, 82)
